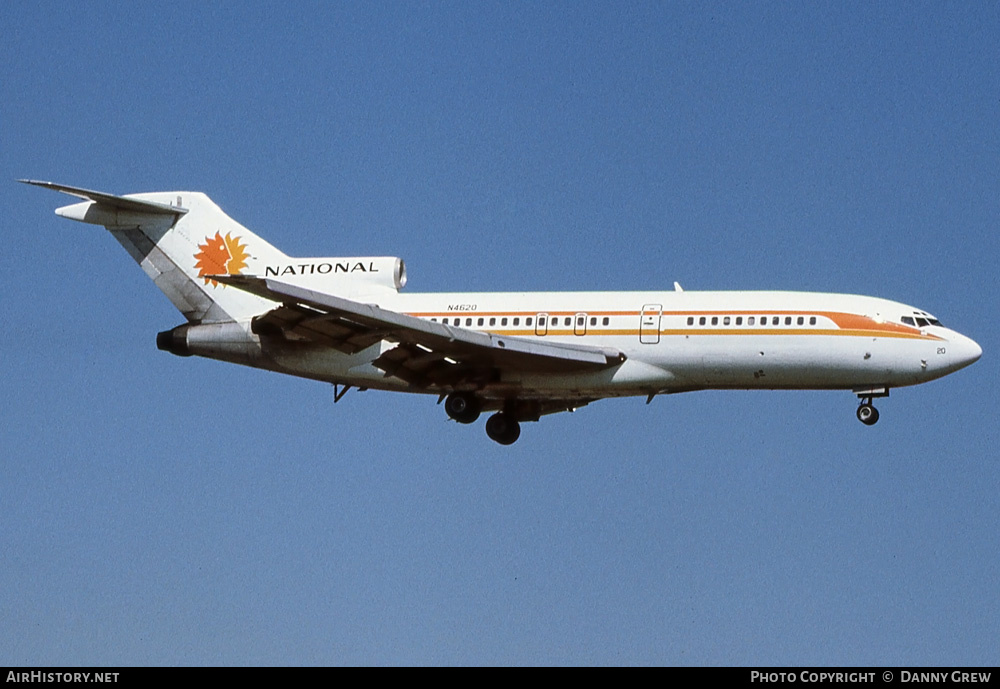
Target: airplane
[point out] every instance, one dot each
(520, 356)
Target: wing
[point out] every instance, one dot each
(427, 353)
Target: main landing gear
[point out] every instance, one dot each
(503, 428)
(465, 407)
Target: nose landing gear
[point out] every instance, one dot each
(867, 413)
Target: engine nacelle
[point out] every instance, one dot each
(228, 341)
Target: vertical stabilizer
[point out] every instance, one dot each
(179, 238)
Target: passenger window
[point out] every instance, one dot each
(606, 321)
(493, 321)
(541, 321)
(750, 320)
(701, 321)
(434, 320)
(503, 321)
(527, 321)
(725, 321)
(739, 320)
(715, 320)
(568, 321)
(776, 321)
(812, 320)
(468, 321)
(517, 321)
(479, 322)
(788, 320)
(690, 320)
(593, 320)
(802, 320)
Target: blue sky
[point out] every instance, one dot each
(158, 510)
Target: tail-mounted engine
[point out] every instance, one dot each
(228, 341)
(341, 275)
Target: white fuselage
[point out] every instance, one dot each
(520, 355)
(675, 341)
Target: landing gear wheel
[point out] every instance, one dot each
(503, 429)
(867, 414)
(463, 407)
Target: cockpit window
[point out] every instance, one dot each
(920, 319)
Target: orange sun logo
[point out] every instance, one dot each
(221, 256)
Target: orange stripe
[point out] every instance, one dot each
(596, 330)
(498, 314)
(847, 323)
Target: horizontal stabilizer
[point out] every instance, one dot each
(122, 203)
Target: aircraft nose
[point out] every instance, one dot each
(965, 350)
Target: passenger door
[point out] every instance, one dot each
(649, 324)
